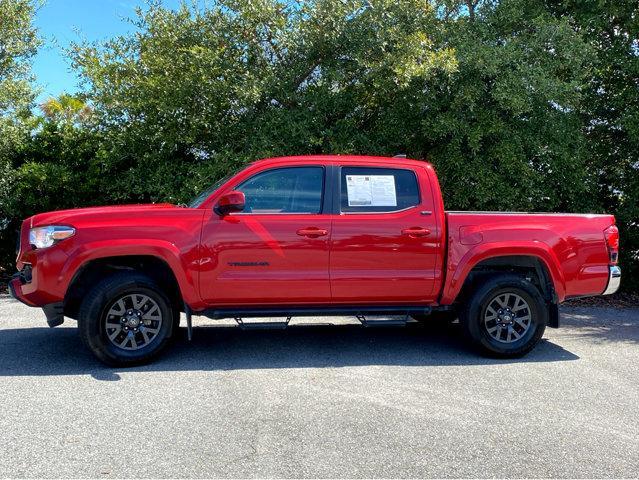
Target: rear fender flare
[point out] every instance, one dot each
(457, 274)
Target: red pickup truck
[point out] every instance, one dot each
(310, 235)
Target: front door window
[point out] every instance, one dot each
(284, 190)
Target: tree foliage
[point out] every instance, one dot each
(244, 79)
(610, 113)
(57, 167)
(18, 44)
(520, 104)
(503, 131)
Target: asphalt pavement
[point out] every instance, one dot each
(330, 399)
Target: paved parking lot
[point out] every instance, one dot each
(322, 401)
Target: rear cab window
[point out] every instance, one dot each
(377, 190)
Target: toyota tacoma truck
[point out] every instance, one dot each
(311, 235)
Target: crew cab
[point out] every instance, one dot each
(311, 235)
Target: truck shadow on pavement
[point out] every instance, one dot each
(603, 325)
(44, 352)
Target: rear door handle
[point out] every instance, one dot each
(416, 232)
(312, 232)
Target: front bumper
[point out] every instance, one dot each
(53, 311)
(15, 289)
(614, 280)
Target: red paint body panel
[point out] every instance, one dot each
(164, 231)
(373, 261)
(272, 259)
(260, 259)
(283, 267)
(572, 247)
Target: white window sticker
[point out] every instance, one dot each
(371, 190)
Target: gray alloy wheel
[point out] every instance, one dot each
(126, 319)
(507, 317)
(503, 315)
(133, 321)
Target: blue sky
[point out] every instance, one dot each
(62, 21)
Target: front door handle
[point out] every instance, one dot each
(312, 232)
(415, 232)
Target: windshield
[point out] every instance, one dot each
(197, 201)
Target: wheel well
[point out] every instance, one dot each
(92, 272)
(530, 267)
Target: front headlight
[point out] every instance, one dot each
(43, 237)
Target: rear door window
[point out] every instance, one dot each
(373, 189)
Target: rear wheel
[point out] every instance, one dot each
(126, 319)
(505, 316)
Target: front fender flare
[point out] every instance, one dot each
(163, 250)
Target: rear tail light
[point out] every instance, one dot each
(612, 242)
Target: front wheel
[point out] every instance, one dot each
(505, 316)
(126, 320)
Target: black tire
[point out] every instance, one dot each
(92, 319)
(475, 311)
(175, 333)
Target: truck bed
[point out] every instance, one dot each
(572, 246)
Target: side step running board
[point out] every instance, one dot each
(319, 311)
(395, 322)
(282, 325)
(262, 325)
(360, 312)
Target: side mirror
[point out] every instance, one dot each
(230, 202)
